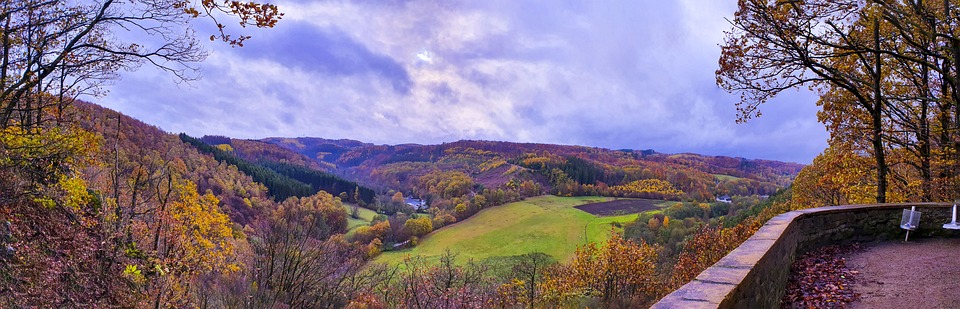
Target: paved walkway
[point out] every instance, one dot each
(923, 273)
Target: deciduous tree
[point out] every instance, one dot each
(619, 272)
(419, 226)
(828, 44)
(53, 51)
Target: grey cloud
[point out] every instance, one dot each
(325, 51)
(614, 74)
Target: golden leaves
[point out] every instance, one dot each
(617, 269)
(200, 233)
(419, 226)
(648, 186)
(838, 176)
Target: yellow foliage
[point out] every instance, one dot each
(536, 161)
(55, 146)
(419, 226)
(447, 184)
(512, 293)
(619, 269)
(366, 234)
(492, 164)
(838, 176)
(201, 234)
(656, 186)
(468, 151)
(75, 192)
(513, 169)
(134, 274)
(329, 209)
(225, 147)
(49, 160)
(373, 248)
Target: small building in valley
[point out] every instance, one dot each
(417, 204)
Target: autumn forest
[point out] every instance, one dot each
(100, 209)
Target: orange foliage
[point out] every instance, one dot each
(447, 184)
(711, 243)
(618, 272)
(646, 188)
(324, 205)
(838, 176)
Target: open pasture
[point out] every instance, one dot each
(622, 207)
(548, 224)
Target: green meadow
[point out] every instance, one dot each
(722, 177)
(366, 215)
(547, 224)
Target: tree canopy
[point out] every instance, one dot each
(53, 51)
(886, 72)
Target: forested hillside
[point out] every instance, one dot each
(135, 215)
(113, 211)
(143, 159)
(140, 216)
(98, 209)
(530, 169)
(256, 151)
(283, 178)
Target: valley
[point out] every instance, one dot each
(384, 217)
(583, 158)
(547, 224)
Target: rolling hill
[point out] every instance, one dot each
(496, 164)
(148, 201)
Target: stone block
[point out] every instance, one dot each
(747, 255)
(674, 303)
(725, 275)
(713, 293)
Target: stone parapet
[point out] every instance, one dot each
(754, 275)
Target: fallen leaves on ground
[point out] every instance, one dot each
(821, 279)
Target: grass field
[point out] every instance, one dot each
(623, 207)
(722, 177)
(366, 216)
(547, 224)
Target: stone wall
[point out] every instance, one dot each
(754, 275)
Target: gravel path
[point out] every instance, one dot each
(923, 273)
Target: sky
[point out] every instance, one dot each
(611, 74)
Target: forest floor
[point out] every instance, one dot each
(921, 273)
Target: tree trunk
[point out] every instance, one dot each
(877, 115)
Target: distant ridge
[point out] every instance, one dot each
(494, 164)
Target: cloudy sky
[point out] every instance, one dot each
(613, 74)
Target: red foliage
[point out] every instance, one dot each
(58, 260)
